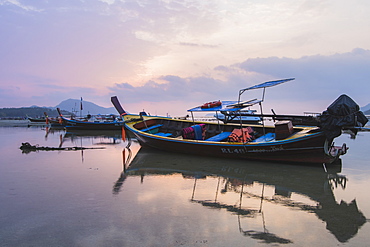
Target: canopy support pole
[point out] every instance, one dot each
(192, 117)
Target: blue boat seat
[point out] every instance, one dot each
(265, 138)
(219, 137)
(151, 128)
(163, 134)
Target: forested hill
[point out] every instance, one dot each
(366, 109)
(34, 112)
(68, 107)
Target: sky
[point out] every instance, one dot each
(167, 56)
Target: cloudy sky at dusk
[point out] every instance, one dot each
(166, 56)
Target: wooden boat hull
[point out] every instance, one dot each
(307, 148)
(74, 124)
(56, 123)
(37, 120)
(81, 125)
(306, 151)
(84, 125)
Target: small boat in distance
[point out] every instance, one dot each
(113, 124)
(37, 120)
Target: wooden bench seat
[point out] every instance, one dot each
(219, 137)
(163, 134)
(265, 138)
(151, 128)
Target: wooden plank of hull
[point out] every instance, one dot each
(307, 150)
(95, 127)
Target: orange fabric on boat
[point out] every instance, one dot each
(241, 135)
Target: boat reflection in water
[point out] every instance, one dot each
(305, 188)
(106, 136)
(102, 137)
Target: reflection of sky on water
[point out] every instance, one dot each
(81, 197)
(313, 196)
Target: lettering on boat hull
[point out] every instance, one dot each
(233, 150)
(242, 150)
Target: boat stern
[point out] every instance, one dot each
(333, 151)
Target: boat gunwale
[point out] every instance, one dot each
(291, 139)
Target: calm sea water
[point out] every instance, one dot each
(113, 196)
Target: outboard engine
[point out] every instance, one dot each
(343, 112)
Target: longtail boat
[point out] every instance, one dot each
(37, 121)
(75, 124)
(280, 142)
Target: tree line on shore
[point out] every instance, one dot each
(34, 112)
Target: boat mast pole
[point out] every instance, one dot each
(218, 121)
(240, 113)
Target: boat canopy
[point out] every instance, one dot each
(263, 86)
(234, 106)
(266, 84)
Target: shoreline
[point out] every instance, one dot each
(26, 123)
(18, 123)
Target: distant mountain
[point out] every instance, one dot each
(366, 109)
(67, 107)
(74, 105)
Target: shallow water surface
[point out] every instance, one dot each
(110, 195)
